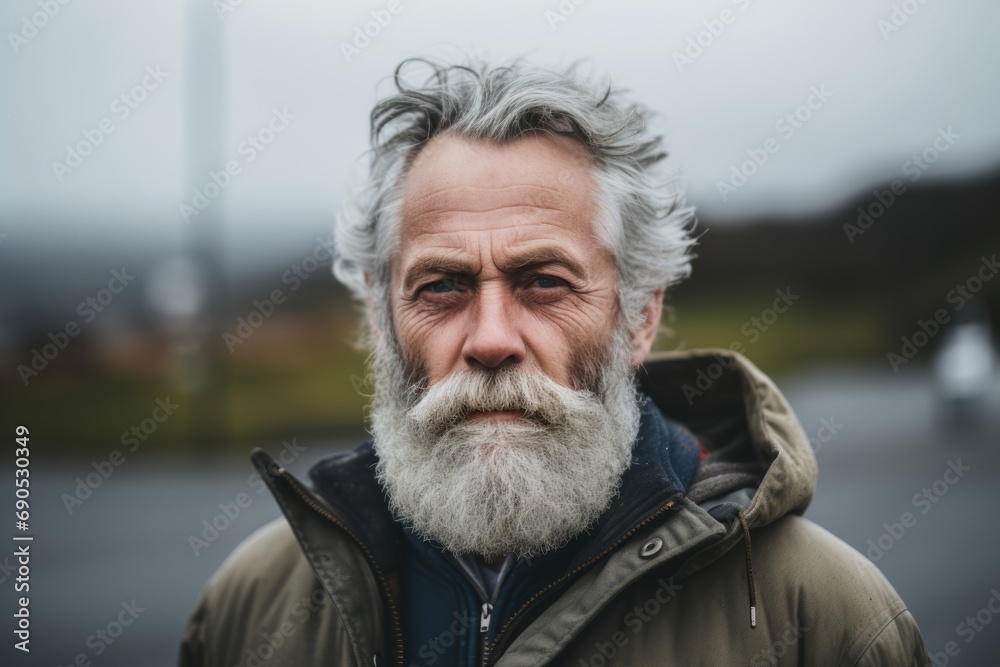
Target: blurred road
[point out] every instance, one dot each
(891, 456)
(878, 445)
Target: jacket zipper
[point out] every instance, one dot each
(397, 635)
(499, 641)
(487, 613)
(484, 623)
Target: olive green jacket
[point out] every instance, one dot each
(729, 574)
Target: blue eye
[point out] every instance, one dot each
(441, 286)
(549, 282)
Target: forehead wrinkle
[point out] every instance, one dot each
(524, 224)
(500, 218)
(492, 188)
(470, 199)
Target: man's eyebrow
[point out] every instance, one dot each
(517, 262)
(540, 257)
(426, 265)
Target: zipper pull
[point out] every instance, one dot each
(484, 620)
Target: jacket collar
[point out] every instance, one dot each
(346, 480)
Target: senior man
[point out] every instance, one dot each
(538, 489)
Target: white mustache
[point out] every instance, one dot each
(527, 390)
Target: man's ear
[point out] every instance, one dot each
(642, 338)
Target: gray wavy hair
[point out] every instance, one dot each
(642, 218)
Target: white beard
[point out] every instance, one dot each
(492, 487)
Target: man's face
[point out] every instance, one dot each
(499, 261)
(504, 409)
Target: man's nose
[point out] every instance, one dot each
(494, 339)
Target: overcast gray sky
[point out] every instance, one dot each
(887, 90)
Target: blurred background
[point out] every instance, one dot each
(168, 177)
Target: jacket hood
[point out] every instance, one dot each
(757, 448)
